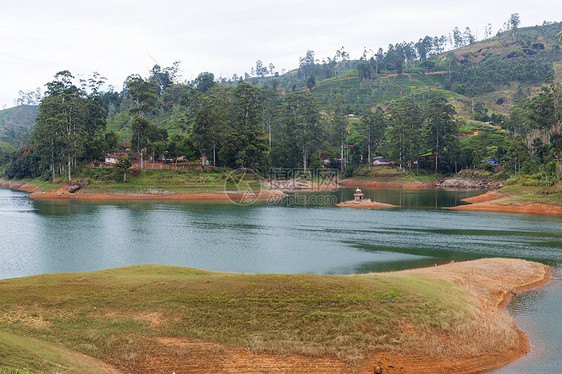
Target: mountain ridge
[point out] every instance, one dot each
(490, 74)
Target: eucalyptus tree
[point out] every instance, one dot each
(545, 113)
(260, 70)
(245, 143)
(458, 39)
(61, 125)
(513, 22)
(439, 116)
(145, 95)
(488, 31)
(372, 128)
(468, 37)
(423, 47)
(517, 153)
(210, 125)
(307, 64)
(204, 81)
(405, 130)
(96, 119)
(340, 122)
(164, 77)
(301, 122)
(271, 114)
(364, 69)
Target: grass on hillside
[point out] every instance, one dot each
(5, 146)
(114, 315)
(387, 173)
(360, 94)
(108, 180)
(529, 189)
(17, 352)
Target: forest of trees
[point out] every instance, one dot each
(238, 124)
(244, 126)
(399, 57)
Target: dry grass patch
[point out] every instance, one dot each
(125, 315)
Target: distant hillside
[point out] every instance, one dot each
(491, 75)
(16, 124)
(492, 71)
(19, 116)
(360, 94)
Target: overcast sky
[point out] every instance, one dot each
(119, 37)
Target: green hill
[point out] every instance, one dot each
(19, 116)
(492, 71)
(490, 75)
(16, 124)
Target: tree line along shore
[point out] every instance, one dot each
(440, 128)
(516, 195)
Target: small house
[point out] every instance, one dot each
(379, 161)
(111, 158)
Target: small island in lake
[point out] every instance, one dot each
(359, 202)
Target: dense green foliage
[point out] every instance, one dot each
(477, 78)
(429, 101)
(70, 125)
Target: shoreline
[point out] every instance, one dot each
(365, 205)
(487, 284)
(491, 202)
(487, 202)
(378, 184)
(64, 194)
(499, 298)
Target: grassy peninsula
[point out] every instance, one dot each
(528, 194)
(150, 318)
(108, 183)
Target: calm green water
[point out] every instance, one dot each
(39, 237)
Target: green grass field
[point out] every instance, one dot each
(159, 181)
(390, 174)
(47, 320)
(110, 181)
(522, 192)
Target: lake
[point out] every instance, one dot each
(70, 236)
